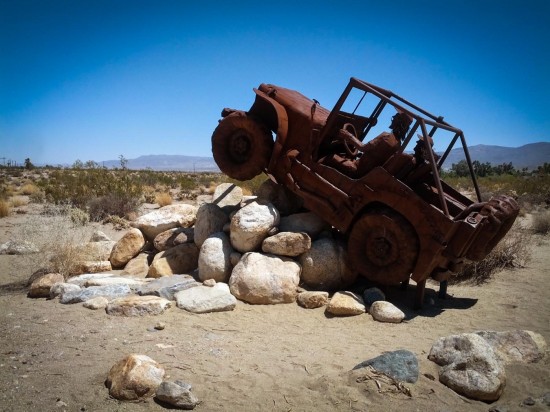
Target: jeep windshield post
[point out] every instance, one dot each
(400, 220)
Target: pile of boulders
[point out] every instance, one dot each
(261, 249)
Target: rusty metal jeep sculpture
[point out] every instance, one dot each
(400, 219)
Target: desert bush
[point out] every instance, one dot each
(38, 197)
(17, 201)
(28, 189)
(513, 251)
(118, 222)
(541, 222)
(4, 208)
(59, 241)
(117, 204)
(79, 216)
(163, 199)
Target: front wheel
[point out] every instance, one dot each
(241, 146)
(383, 247)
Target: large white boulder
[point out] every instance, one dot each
(167, 217)
(324, 266)
(127, 248)
(265, 279)
(215, 258)
(469, 366)
(210, 219)
(287, 243)
(251, 225)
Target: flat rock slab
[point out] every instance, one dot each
(167, 217)
(167, 286)
(115, 280)
(205, 299)
(401, 365)
(80, 280)
(138, 306)
(109, 292)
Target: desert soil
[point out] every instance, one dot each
(56, 357)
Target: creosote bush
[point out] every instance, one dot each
(513, 251)
(163, 199)
(541, 223)
(29, 189)
(4, 208)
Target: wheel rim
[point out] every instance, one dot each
(383, 247)
(240, 146)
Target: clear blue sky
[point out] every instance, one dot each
(94, 79)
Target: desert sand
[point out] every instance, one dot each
(283, 357)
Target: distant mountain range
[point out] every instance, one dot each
(168, 162)
(530, 156)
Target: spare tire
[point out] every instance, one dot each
(242, 146)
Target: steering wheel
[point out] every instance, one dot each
(346, 132)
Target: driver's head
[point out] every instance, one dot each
(400, 124)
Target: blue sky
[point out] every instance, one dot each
(94, 79)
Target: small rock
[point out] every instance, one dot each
(313, 299)
(60, 288)
(346, 304)
(177, 394)
(173, 237)
(372, 295)
(383, 311)
(134, 377)
(287, 244)
(95, 266)
(546, 399)
(99, 236)
(209, 282)
(96, 303)
(235, 257)
(528, 402)
(160, 326)
(40, 288)
(214, 258)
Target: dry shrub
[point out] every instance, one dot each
(29, 189)
(118, 222)
(59, 241)
(163, 199)
(4, 208)
(17, 201)
(512, 252)
(111, 204)
(541, 223)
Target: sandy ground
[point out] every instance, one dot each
(56, 357)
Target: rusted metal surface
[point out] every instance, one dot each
(401, 220)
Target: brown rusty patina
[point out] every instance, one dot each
(400, 219)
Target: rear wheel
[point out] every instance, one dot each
(241, 146)
(383, 247)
